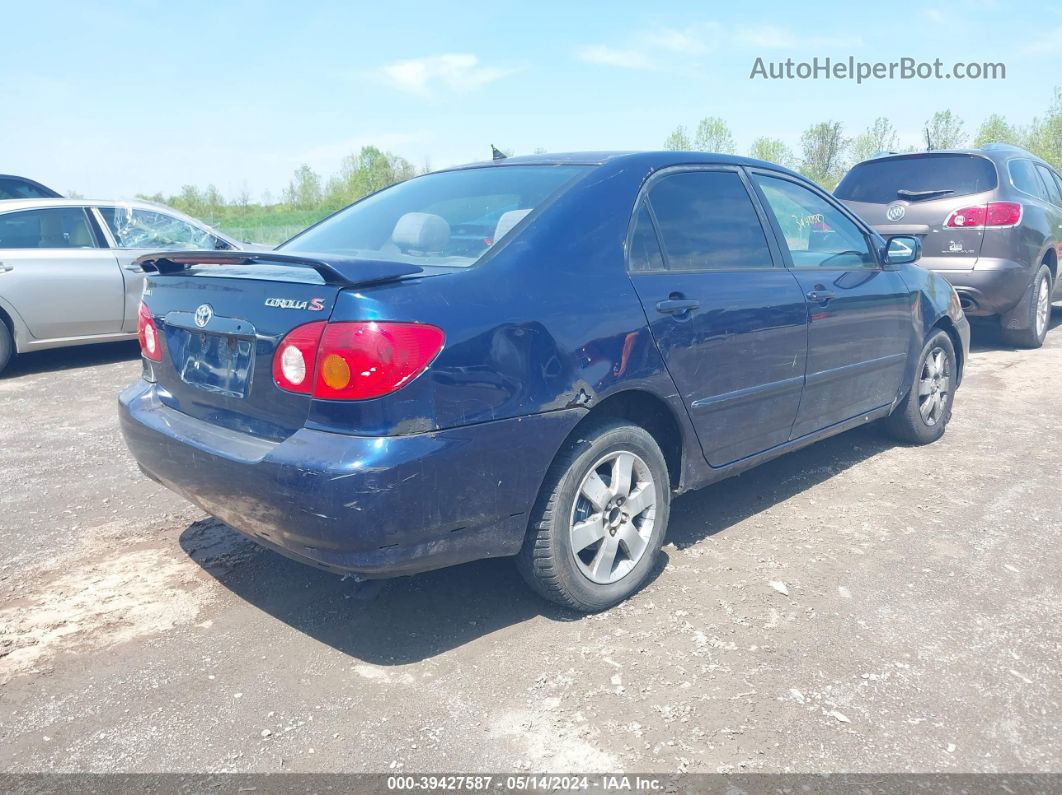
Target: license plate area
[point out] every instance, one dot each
(219, 363)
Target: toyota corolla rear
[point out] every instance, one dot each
(311, 400)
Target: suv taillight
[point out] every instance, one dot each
(148, 334)
(356, 360)
(994, 215)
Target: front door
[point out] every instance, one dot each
(56, 276)
(859, 315)
(729, 320)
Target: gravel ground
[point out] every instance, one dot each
(856, 606)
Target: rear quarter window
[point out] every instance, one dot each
(1023, 177)
(879, 181)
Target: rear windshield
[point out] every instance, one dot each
(447, 218)
(917, 178)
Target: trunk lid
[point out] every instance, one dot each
(221, 319)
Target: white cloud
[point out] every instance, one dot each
(429, 76)
(772, 37)
(692, 42)
(612, 56)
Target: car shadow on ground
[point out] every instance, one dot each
(985, 334)
(58, 359)
(413, 618)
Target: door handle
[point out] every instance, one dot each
(820, 296)
(677, 306)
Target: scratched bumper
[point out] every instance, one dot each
(378, 506)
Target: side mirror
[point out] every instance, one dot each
(902, 250)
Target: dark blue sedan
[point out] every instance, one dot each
(530, 357)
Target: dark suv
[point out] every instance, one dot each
(990, 221)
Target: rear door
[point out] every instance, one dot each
(860, 328)
(56, 275)
(915, 194)
(729, 320)
(137, 231)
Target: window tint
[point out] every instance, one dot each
(1058, 182)
(447, 218)
(57, 227)
(879, 181)
(708, 222)
(645, 248)
(1049, 184)
(1023, 175)
(150, 229)
(817, 233)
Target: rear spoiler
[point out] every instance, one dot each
(337, 270)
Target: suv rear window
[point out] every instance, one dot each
(880, 181)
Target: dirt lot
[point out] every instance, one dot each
(856, 606)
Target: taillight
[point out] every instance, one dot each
(983, 216)
(356, 360)
(296, 358)
(148, 333)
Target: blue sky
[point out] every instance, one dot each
(119, 98)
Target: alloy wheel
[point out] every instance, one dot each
(1043, 306)
(613, 517)
(934, 386)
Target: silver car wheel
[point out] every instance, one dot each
(934, 387)
(1043, 306)
(613, 516)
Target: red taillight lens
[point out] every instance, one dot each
(359, 361)
(148, 333)
(354, 361)
(995, 214)
(296, 358)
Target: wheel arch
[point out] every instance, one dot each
(648, 411)
(946, 325)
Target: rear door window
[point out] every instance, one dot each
(708, 222)
(1023, 176)
(134, 228)
(918, 177)
(644, 254)
(817, 234)
(54, 227)
(1050, 185)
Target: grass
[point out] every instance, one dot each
(261, 224)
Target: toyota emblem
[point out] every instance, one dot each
(203, 315)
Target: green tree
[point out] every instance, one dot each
(773, 150)
(996, 130)
(823, 153)
(713, 135)
(678, 140)
(944, 131)
(878, 137)
(1044, 137)
(366, 172)
(304, 189)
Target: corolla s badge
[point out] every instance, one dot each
(203, 315)
(313, 305)
(896, 212)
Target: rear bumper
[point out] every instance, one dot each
(377, 506)
(992, 288)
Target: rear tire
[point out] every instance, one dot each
(923, 415)
(599, 521)
(7, 346)
(1025, 326)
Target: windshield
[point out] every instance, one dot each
(917, 178)
(447, 218)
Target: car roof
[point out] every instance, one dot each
(650, 159)
(998, 153)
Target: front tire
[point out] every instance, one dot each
(7, 346)
(599, 521)
(923, 416)
(1025, 326)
